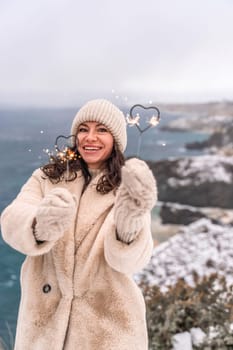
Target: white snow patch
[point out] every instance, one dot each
(208, 168)
(197, 336)
(182, 341)
(202, 247)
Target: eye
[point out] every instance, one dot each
(82, 129)
(102, 129)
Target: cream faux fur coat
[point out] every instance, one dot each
(77, 293)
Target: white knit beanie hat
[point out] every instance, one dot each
(106, 113)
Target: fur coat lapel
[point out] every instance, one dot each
(88, 213)
(91, 206)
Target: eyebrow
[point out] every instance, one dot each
(99, 124)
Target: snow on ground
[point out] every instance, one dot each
(202, 247)
(199, 169)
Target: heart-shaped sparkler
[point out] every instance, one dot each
(64, 152)
(134, 120)
(60, 146)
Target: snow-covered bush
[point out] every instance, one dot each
(207, 306)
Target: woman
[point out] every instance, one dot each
(84, 233)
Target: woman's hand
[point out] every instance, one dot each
(138, 181)
(136, 195)
(54, 215)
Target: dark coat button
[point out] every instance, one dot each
(46, 288)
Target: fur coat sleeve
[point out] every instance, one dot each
(129, 244)
(17, 218)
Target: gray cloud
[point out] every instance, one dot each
(60, 52)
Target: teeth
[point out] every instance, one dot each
(92, 148)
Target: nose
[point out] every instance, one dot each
(91, 135)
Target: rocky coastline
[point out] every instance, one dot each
(214, 119)
(194, 187)
(194, 226)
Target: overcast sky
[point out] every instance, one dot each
(62, 52)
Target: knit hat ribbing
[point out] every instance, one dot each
(104, 112)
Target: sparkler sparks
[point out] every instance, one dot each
(65, 155)
(154, 121)
(131, 121)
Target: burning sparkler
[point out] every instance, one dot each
(135, 121)
(62, 154)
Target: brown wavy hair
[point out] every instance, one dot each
(110, 180)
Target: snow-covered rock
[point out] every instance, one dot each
(202, 247)
(181, 214)
(220, 139)
(182, 341)
(185, 340)
(210, 123)
(204, 181)
(197, 336)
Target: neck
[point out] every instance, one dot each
(94, 172)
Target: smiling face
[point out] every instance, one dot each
(95, 143)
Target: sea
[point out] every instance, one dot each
(26, 137)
